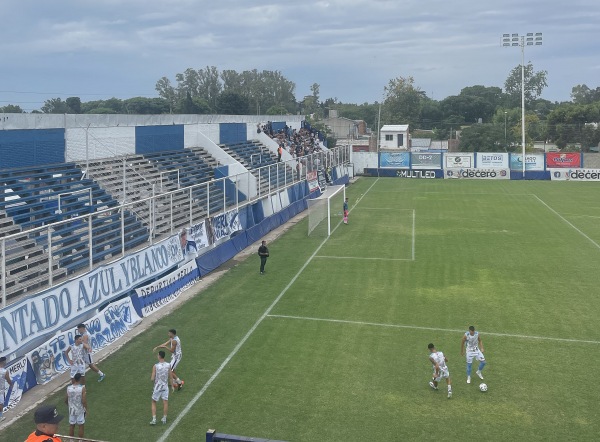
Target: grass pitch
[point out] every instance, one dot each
(331, 344)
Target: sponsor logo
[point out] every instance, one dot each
(472, 173)
(415, 174)
(582, 175)
(449, 173)
(557, 174)
(492, 157)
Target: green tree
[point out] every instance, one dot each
(230, 103)
(74, 105)
(277, 110)
(535, 82)
(403, 102)
(582, 94)
(146, 106)
(11, 109)
(166, 91)
(485, 137)
(55, 106)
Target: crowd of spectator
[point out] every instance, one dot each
(297, 142)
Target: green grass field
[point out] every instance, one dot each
(331, 344)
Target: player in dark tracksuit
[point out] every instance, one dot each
(263, 252)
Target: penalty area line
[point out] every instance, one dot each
(363, 258)
(239, 345)
(416, 327)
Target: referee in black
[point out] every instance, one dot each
(263, 252)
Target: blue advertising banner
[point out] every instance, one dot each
(47, 312)
(533, 161)
(397, 160)
(152, 297)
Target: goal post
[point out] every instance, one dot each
(324, 210)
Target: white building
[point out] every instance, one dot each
(394, 136)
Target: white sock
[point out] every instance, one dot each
(100, 373)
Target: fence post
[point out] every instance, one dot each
(3, 272)
(207, 200)
(50, 275)
(122, 230)
(171, 210)
(191, 211)
(91, 264)
(224, 195)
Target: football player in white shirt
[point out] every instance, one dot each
(161, 376)
(5, 382)
(77, 401)
(87, 357)
(174, 346)
(440, 369)
(77, 357)
(472, 342)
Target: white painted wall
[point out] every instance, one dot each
(194, 136)
(102, 142)
(362, 160)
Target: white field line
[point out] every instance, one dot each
(449, 330)
(582, 216)
(363, 258)
(449, 194)
(413, 233)
(239, 345)
(566, 221)
(382, 208)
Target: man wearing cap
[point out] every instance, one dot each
(46, 420)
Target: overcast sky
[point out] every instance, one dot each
(352, 48)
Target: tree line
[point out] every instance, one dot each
(488, 117)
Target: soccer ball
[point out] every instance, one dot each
(483, 387)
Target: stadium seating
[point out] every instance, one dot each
(261, 162)
(188, 167)
(31, 198)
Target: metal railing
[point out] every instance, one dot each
(168, 212)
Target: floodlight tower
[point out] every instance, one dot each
(531, 39)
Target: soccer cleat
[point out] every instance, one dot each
(449, 394)
(468, 379)
(478, 373)
(2, 418)
(164, 420)
(101, 378)
(180, 385)
(432, 385)
(153, 422)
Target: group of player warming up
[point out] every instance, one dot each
(163, 374)
(471, 341)
(79, 355)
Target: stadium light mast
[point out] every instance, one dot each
(511, 40)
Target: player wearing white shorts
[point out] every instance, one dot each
(77, 357)
(161, 375)
(471, 341)
(87, 357)
(77, 402)
(174, 346)
(5, 383)
(440, 369)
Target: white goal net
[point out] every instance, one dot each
(325, 211)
